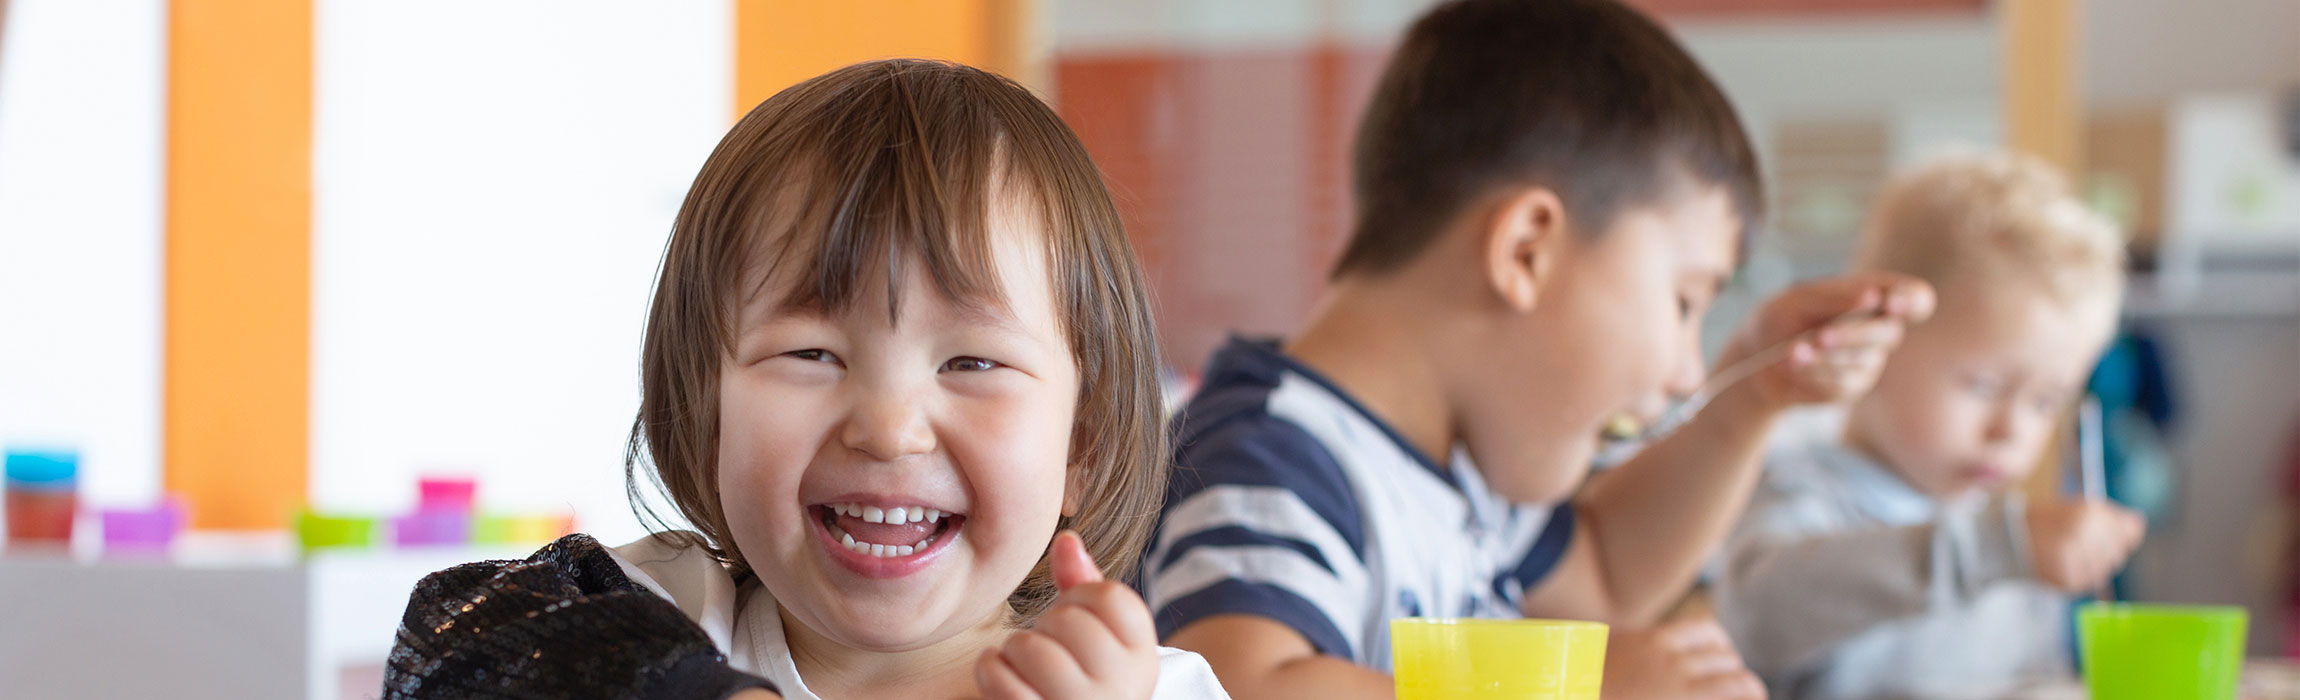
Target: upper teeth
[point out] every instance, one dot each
(893, 516)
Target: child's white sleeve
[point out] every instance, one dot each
(1789, 592)
(1184, 675)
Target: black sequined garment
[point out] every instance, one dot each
(564, 623)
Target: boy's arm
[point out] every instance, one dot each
(1641, 538)
(1258, 658)
(1647, 525)
(1789, 595)
(1256, 564)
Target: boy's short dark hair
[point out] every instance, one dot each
(1585, 97)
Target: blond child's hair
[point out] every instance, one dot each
(1989, 220)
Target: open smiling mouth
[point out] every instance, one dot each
(886, 534)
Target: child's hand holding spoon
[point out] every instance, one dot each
(1817, 342)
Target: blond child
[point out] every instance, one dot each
(898, 343)
(1895, 559)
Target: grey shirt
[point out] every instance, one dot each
(1844, 583)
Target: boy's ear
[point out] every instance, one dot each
(1521, 236)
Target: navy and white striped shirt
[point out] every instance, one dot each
(1291, 502)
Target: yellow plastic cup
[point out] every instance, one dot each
(500, 529)
(1477, 659)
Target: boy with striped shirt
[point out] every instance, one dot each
(1549, 195)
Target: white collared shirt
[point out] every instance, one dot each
(747, 626)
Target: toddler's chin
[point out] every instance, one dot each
(1963, 488)
(895, 626)
(886, 630)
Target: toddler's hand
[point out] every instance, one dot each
(1826, 361)
(1096, 642)
(1690, 658)
(2076, 545)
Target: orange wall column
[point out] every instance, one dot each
(2042, 80)
(237, 374)
(2043, 103)
(778, 43)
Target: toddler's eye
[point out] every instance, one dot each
(814, 355)
(968, 364)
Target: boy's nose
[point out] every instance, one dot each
(888, 428)
(1692, 370)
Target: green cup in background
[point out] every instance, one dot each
(316, 531)
(2161, 652)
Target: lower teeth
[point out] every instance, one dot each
(881, 550)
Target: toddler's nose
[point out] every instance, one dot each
(888, 427)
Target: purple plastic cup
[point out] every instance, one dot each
(432, 528)
(143, 530)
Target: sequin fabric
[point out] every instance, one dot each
(563, 623)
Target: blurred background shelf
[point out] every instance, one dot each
(230, 622)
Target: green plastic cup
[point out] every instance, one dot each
(317, 531)
(2161, 652)
(1476, 659)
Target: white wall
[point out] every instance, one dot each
(2146, 50)
(2239, 381)
(1118, 26)
(2134, 52)
(81, 90)
(1863, 66)
(491, 196)
(494, 184)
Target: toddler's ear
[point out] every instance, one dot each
(1519, 245)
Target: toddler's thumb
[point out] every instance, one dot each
(1072, 565)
